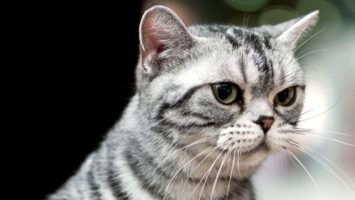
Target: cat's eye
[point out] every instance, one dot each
(286, 97)
(226, 93)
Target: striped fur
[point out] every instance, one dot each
(150, 153)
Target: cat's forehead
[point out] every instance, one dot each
(235, 35)
(242, 56)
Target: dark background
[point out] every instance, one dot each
(77, 77)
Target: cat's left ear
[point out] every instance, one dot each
(162, 35)
(294, 30)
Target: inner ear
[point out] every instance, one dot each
(162, 35)
(151, 37)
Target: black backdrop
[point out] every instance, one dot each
(77, 79)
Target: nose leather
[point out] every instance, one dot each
(265, 122)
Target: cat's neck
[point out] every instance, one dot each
(168, 167)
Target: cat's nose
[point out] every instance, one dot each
(265, 122)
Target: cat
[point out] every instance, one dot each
(212, 102)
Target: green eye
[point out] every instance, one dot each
(286, 97)
(225, 93)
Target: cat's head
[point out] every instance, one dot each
(241, 89)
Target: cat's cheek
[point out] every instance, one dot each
(275, 142)
(278, 139)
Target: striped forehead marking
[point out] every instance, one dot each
(255, 44)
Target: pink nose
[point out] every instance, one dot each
(265, 122)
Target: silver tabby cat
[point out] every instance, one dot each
(211, 103)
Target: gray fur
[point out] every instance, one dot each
(174, 106)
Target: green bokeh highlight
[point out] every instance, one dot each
(276, 14)
(329, 17)
(246, 5)
(350, 4)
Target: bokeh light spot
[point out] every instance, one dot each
(244, 20)
(329, 16)
(246, 5)
(276, 14)
(350, 4)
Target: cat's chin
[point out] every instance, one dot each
(250, 160)
(253, 158)
(261, 148)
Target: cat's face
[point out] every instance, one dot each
(250, 101)
(240, 89)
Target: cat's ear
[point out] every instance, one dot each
(290, 32)
(162, 34)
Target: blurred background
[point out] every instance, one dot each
(79, 76)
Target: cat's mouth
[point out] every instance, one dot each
(262, 147)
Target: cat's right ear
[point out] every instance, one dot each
(294, 30)
(162, 35)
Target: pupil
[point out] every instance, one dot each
(224, 91)
(283, 95)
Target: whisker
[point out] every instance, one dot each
(218, 173)
(313, 154)
(198, 164)
(174, 151)
(307, 111)
(212, 150)
(231, 175)
(178, 171)
(331, 171)
(310, 38)
(316, 115)
(326, 138)
(307, 172)
(208, 174)
(327, 110)
(243, 25)
(238, 165)
(313, 133)
(299, 115)
(229, 154)
(322, 130)
(172, 148)
(334, 165)
(302, 56)
(247, 21)
(199, 141)
(309, 53)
